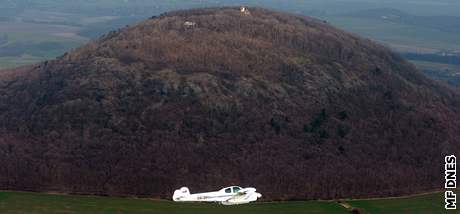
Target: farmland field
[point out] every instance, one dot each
(45, 203)
(24, 43)
(400, 37)
(440, 71)
(432, 203)
(37, 203)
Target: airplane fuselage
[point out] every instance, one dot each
(209, 196)
(227, 196)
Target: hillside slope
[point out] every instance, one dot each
(213, 97)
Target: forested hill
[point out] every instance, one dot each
(206, 98)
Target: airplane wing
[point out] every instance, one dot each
(241, 193)
(236, 198)
(242, 197)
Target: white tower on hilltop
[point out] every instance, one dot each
(244, 10)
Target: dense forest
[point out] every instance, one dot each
(206, 98)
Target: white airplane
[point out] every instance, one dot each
(227, 196)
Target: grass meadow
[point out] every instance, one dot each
(41, 203)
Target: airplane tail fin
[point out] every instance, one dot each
(181, 193)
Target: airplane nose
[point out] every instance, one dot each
(250, 189)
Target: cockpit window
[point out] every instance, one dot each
(228, 190)
(236, 189)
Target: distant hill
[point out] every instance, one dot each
(206, 98)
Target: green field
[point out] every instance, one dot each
(44, 203)
(440, 71)
(424, 65)
(432, 203)
(29, 43)
(37, 203)
(405, 38)
(11, 62)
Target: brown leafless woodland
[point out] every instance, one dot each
(281, 102)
